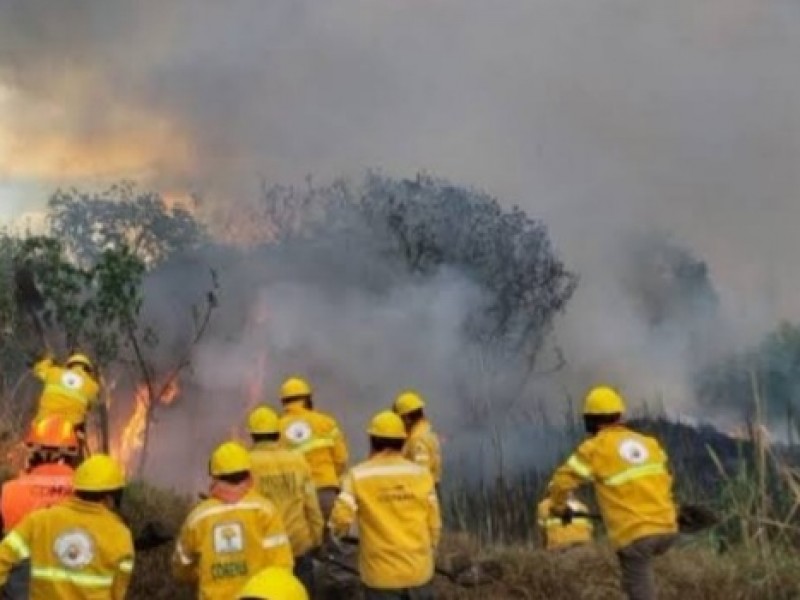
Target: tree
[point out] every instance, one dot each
(121, 216)
(671, 285)
(381, 229)
(772, 366)
(87, 287)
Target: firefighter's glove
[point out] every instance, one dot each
(566, 515)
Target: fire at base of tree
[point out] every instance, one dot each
(368, 288)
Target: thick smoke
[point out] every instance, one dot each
(358, 348)
(602, 118)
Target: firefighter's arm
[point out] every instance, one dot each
(92, 393)
(344, 509)
(274, 541)
(184, 558)
(542, 515)
(122, 578)
(434, 516)
(434, 519)
(316, 523)
(419, 453)
(573, 473)
(340, 452)
(42, 367)
(14, 548)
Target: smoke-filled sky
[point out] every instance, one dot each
(599, 116)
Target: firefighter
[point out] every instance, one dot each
(422, 444)
(46, 480)
(233, 534)
(394, 502)
(69, 391)
(559, 536)
(273, 584)
(79, 548)
(317, 436)
(284, 477)
(633, 488)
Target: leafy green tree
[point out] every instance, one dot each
(84, 289)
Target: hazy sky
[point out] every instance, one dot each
(597, 115)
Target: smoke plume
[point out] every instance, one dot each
(602, 118)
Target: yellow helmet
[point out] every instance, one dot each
(408, 402)
(294, 387)
(263, 420)
(80, 359)
(603, 400)
(273, 583)
(229, 458)
(387, 424)
(99, 473)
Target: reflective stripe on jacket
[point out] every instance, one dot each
(68, 393)
(631, 479)
(318, 437)
(284, 478)
(394, 502)
(40, 487)
(422, 447)
(557, 534)
(78, 551)
(222, 545)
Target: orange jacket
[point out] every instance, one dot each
(318, 437)
(631, 480)
(40, 487)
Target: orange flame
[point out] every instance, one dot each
(131, 440)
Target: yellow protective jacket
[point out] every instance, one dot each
(78, 551)
(632, 483)
(559, 535)
(284, 478)
(222, 545)
(318, 437)
(395, 504)
(68, 393)
(422, 447)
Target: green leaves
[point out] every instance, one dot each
(90, 306)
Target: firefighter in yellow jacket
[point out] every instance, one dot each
(633, 488)
(284, 478)
(45, 481)
(557, 535)
(394, 503)
(422, 445)
(317, 436)
(79, 549)
(232, 535)
(69, 391)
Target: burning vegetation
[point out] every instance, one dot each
(128, 444)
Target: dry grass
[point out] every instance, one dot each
(694, 570)
(685, 573)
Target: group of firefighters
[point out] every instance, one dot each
(288, 500)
